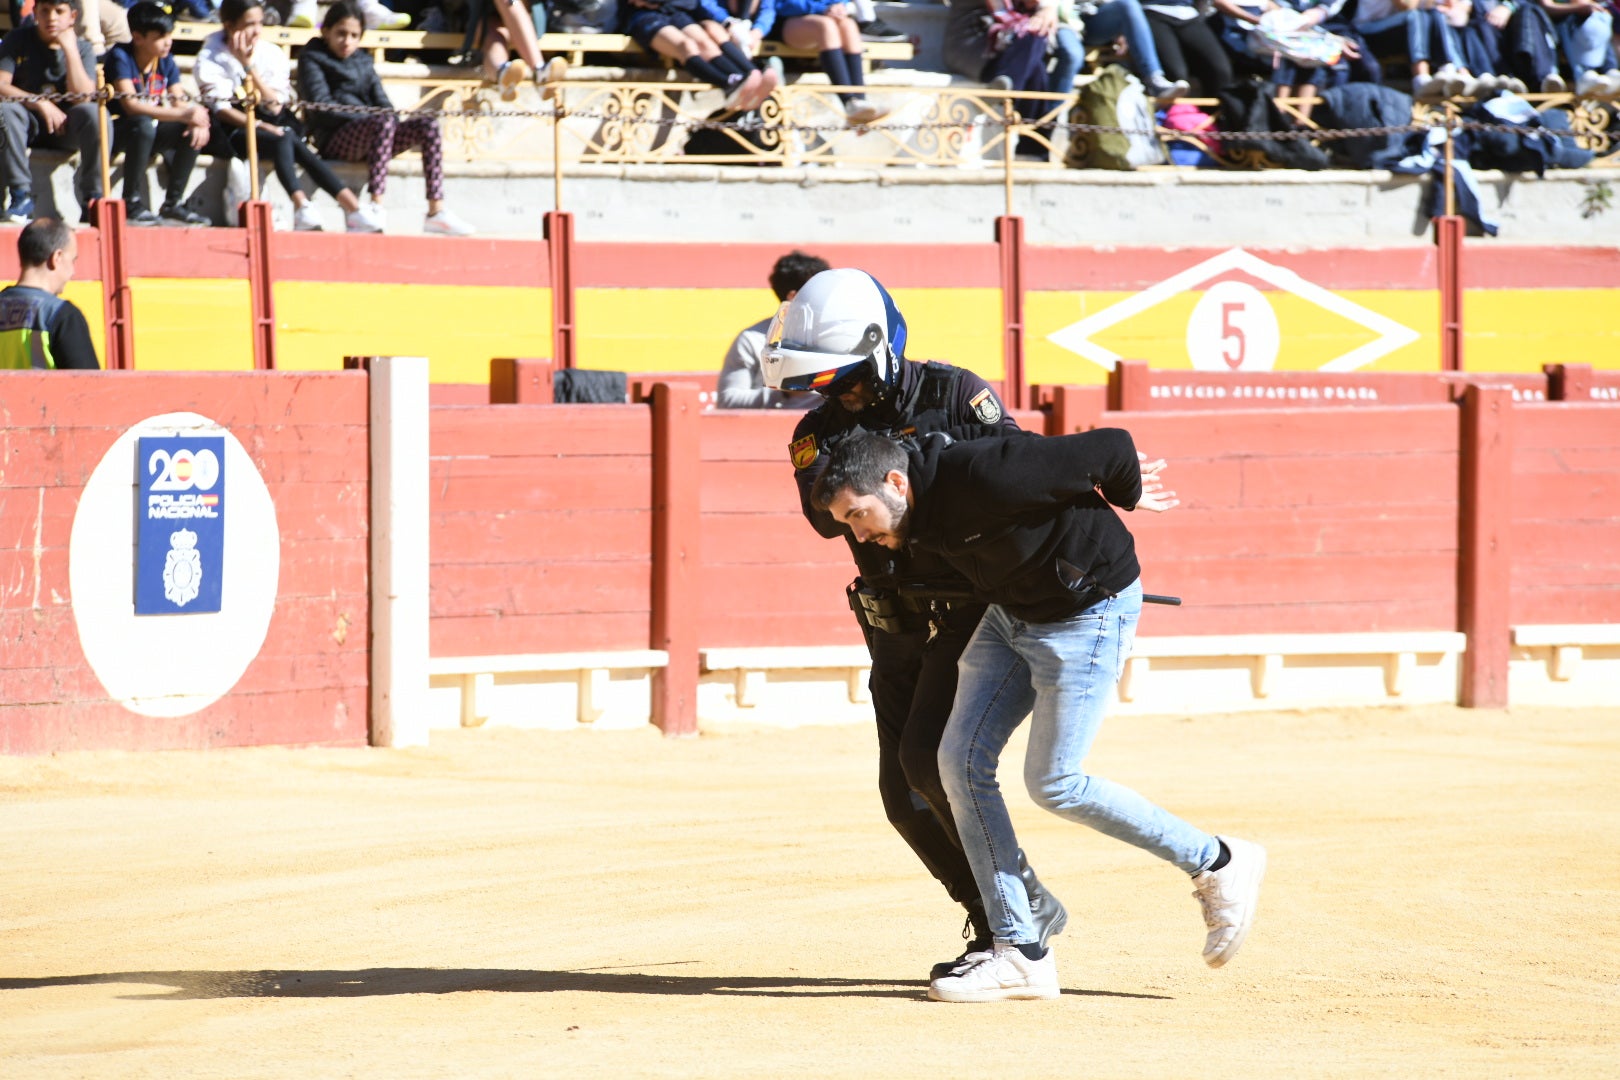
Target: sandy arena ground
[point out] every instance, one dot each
(1443, 900)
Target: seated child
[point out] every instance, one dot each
(676, 29)
(161, 119)
(48, 57)
(828, 27)
(334, 70)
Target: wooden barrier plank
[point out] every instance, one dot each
(1240, 532)
(1395, 477)
(524, 431)
(581, 585)
(498, 484)
(467, 635)
(461, 537)
(781, 538)
(749, 487)
(1323, 431)
(747, 629)
(1201, 615)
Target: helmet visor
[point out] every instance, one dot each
(828, 374)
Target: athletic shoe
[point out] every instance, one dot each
(1163, 90)
(860, 111)
(1004, 974)
(550, 76)
(513, 74)
(22, 208)
(1554, 84)
(304, 13)
(142, 217)
(381, 18)
(878, 30)
(1428, 88)
(306, 219)
(769, 81)
(1001, 84)
(1591, 84)
(1045, 910)
(976, 932)
(1454, 82)
(362, 220)
(444, 223)
(1611, 83)
(744, 92)
(181, 216)
(1511, 85)
(1229, 896)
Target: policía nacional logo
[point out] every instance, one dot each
(182, 569)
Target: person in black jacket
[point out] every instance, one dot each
(1030, 524)
(334, 71)
(842, 336)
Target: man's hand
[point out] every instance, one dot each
(1154, 496)
(51, 118)
(67, 38)
(1043, 22)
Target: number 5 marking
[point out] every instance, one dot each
(1229, 329)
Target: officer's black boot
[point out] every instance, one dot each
(1047, 911)
(976, 932)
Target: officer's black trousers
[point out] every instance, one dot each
(913, 685)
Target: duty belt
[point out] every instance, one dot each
(907, 610)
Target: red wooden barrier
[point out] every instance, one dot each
(1484, 558)
(1133, 386)
(1010, 241)
(541, 528)
(304, 682)
(1579, 382)
(520, 382)
(677, 555)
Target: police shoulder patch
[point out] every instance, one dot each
(803, 452)
(986, 407)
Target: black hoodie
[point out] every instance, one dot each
(1004, 511)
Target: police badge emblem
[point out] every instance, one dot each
(986, 407)
(803, 452)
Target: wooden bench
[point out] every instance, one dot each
(1266, 652)
(1566, 643)
(572, 46)
(750, 666)
(477, 674)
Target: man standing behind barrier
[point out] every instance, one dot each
(842, 337)
(1028, 523)
(742, 384)
(39, 329)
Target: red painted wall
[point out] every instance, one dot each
(1565, 498)
(307, 436)
(541, 528)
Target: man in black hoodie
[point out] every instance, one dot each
(1030, 523)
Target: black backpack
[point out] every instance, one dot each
(1249, 108)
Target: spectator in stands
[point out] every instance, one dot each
(872, 27)
(1417, 30)
(1482, 35)
(1068, 48)
(511, 48)
(103, 23)
(1585, 32)
(967, 41)
(374, 15)
(334, 70)
(161, 119)
(742, 384)
(675, 29)
(39, 329)
(48, 57)
(1020, 34)
(828, 27)
(236, 60)
(1237, 20)
(1188, 45)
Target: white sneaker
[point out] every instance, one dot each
(306, 218)
(1229, 896)
(305, 13)
(1611, 80)
(380, 16)
(1591, 84)
(551, 73)
(444, 223)
(362, 220)
(512, 74)
(1456, 84)
(861, 111)
(1002, 975)
(1554, 84)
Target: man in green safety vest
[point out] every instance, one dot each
(38, 328)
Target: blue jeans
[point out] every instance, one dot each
(1067, 57)
(1116, 17)
(1586, 42)
(1062, 675)
(1423, 29)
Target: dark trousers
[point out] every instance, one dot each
(1191, 48)
(913, 688)
(139, 137)
(287, 152)
(20, 129)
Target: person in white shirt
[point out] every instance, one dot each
(742, 384)
(232, 60)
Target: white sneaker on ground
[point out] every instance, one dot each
(512, 74)
(1004, 974)
(860, 110)
(1229, 896)
(362, 220)
(306, 218)
(444, 223)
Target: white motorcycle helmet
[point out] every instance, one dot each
(842, 326)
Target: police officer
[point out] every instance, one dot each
(38, 328)
(842, 337)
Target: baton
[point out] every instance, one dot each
(1155, 598)
(1075, 578)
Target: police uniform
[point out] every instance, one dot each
(38, 330)
(913, 609)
